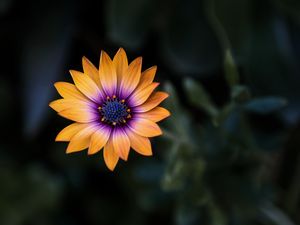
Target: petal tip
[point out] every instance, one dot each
(104, 55)
(52, 105)
(56, 84)
(72, 72)
(58, 139)
(68, 151)
(111, 169)
(121, 49)
(84, 60)
(168, 113)
(139, 60)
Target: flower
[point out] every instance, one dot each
(114, 108)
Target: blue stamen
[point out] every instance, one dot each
(114, 111)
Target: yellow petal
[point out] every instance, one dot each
(87, 86)
(140, 96)
(140, 144)
(67, 90)
(63, 104)
(120, 63)
(154, 100)
(58, 105)
(81, 115)
(99, 139)
(121, 143)
(108, 76)
(147, 78)
(68, 132)
(81, 140)
(90, 70)
(157, 114)
(131, 78)
(145, 128)
(111, 158)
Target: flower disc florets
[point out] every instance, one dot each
(114, 111)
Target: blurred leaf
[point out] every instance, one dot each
(231, 72)
(128, 21)
(224, 113)
(272, 64)
(217, 216)
(189, 42)
(199, 97)
(275, 215)
(240, 93)
(265, 105)
(43, 59)
(174, 178)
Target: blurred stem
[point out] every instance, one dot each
(217, 26)
(168, 134)
(231, 72)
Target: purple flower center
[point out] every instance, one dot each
(114, 111)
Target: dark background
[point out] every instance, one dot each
(230, 151)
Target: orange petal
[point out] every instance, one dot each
(120, 63)
(99, 139)
(140, 144)
(81, 115)
(87, 86)
(63, 104)
(90, 70)
(145, 128)
(68, 132)
(67, 90)
(147, 78)
(154, 100)
(131, 78)
(140, 96)
(108, 76)
(157, 114)
(121, 143)
(111, 158)
(81, 140)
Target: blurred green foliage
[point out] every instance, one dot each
(229, 154)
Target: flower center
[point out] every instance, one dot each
(114, 111)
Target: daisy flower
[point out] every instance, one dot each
(114, 108)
